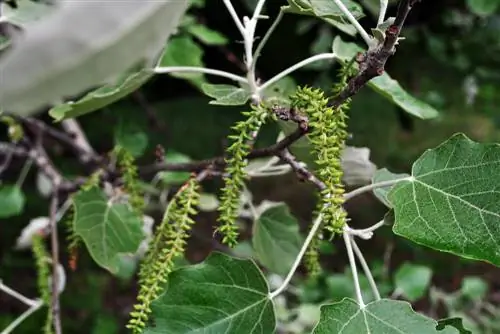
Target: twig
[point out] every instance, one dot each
(383, 11)
(17, 295)
(171, 69)
(55, 305)
(72, 127)
(13, 325)
(354, 270)
(366, 37)
(372, 63)
(374, 186)
(301, 170)
(298, 259)
(366, 269)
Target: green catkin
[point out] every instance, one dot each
(128, 168)
(328, 133)
(43, 277)
(235, 175)
(168, 244)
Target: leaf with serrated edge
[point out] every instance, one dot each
(382, 175)
(108, 230)
(67, 53)
(452, 202)
(226, 95)
(276, 238)
(383, 316)
(220, 295)
(101, 97)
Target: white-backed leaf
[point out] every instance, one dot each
(81, 45)
(226, 95)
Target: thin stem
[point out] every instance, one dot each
(235, 17)
(383, 11)
(171, 69)
(17, 295)
(366, 269)
(298, 259)
(365, 233)
(264, 40)
(24, 172)
(22, 317)
(295, 67)
(374, 186)
(366, 37)
(354, 270)
(55, 307)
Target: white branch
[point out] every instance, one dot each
(295, 67)
(366, 233)
(366, 37)
(354, 270)
(374, 186)
(383, 11)
(172, 69)
(235, 17)
(366, 269)
(298, 259)
(264, 40)
(17, 295)
(22, 317)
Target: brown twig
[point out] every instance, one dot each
(55, 305)
(372, 62)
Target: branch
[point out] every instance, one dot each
(372, 63)
(55, 305)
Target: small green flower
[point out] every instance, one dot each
(234, 174)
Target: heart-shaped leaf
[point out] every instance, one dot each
(107, 229)
(276, 238)
(220, 295)
(452, 201)
(383, 316)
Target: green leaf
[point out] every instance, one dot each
(276, 238)
(67, 53)
(102, 96)
(207, 35)
(382, 175)
(452, 203)
(385, 85)
(483, 7)
(453, 322)
(27, 11)
(474, 288)
(226, 95)
(327, 11)
(321, 8)
(383, 316)
(392, 90)
(170, 178)
(12, 201)
(131, 137)
(107, 229)
(412, 281)
(220, 295)
(183, 51)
